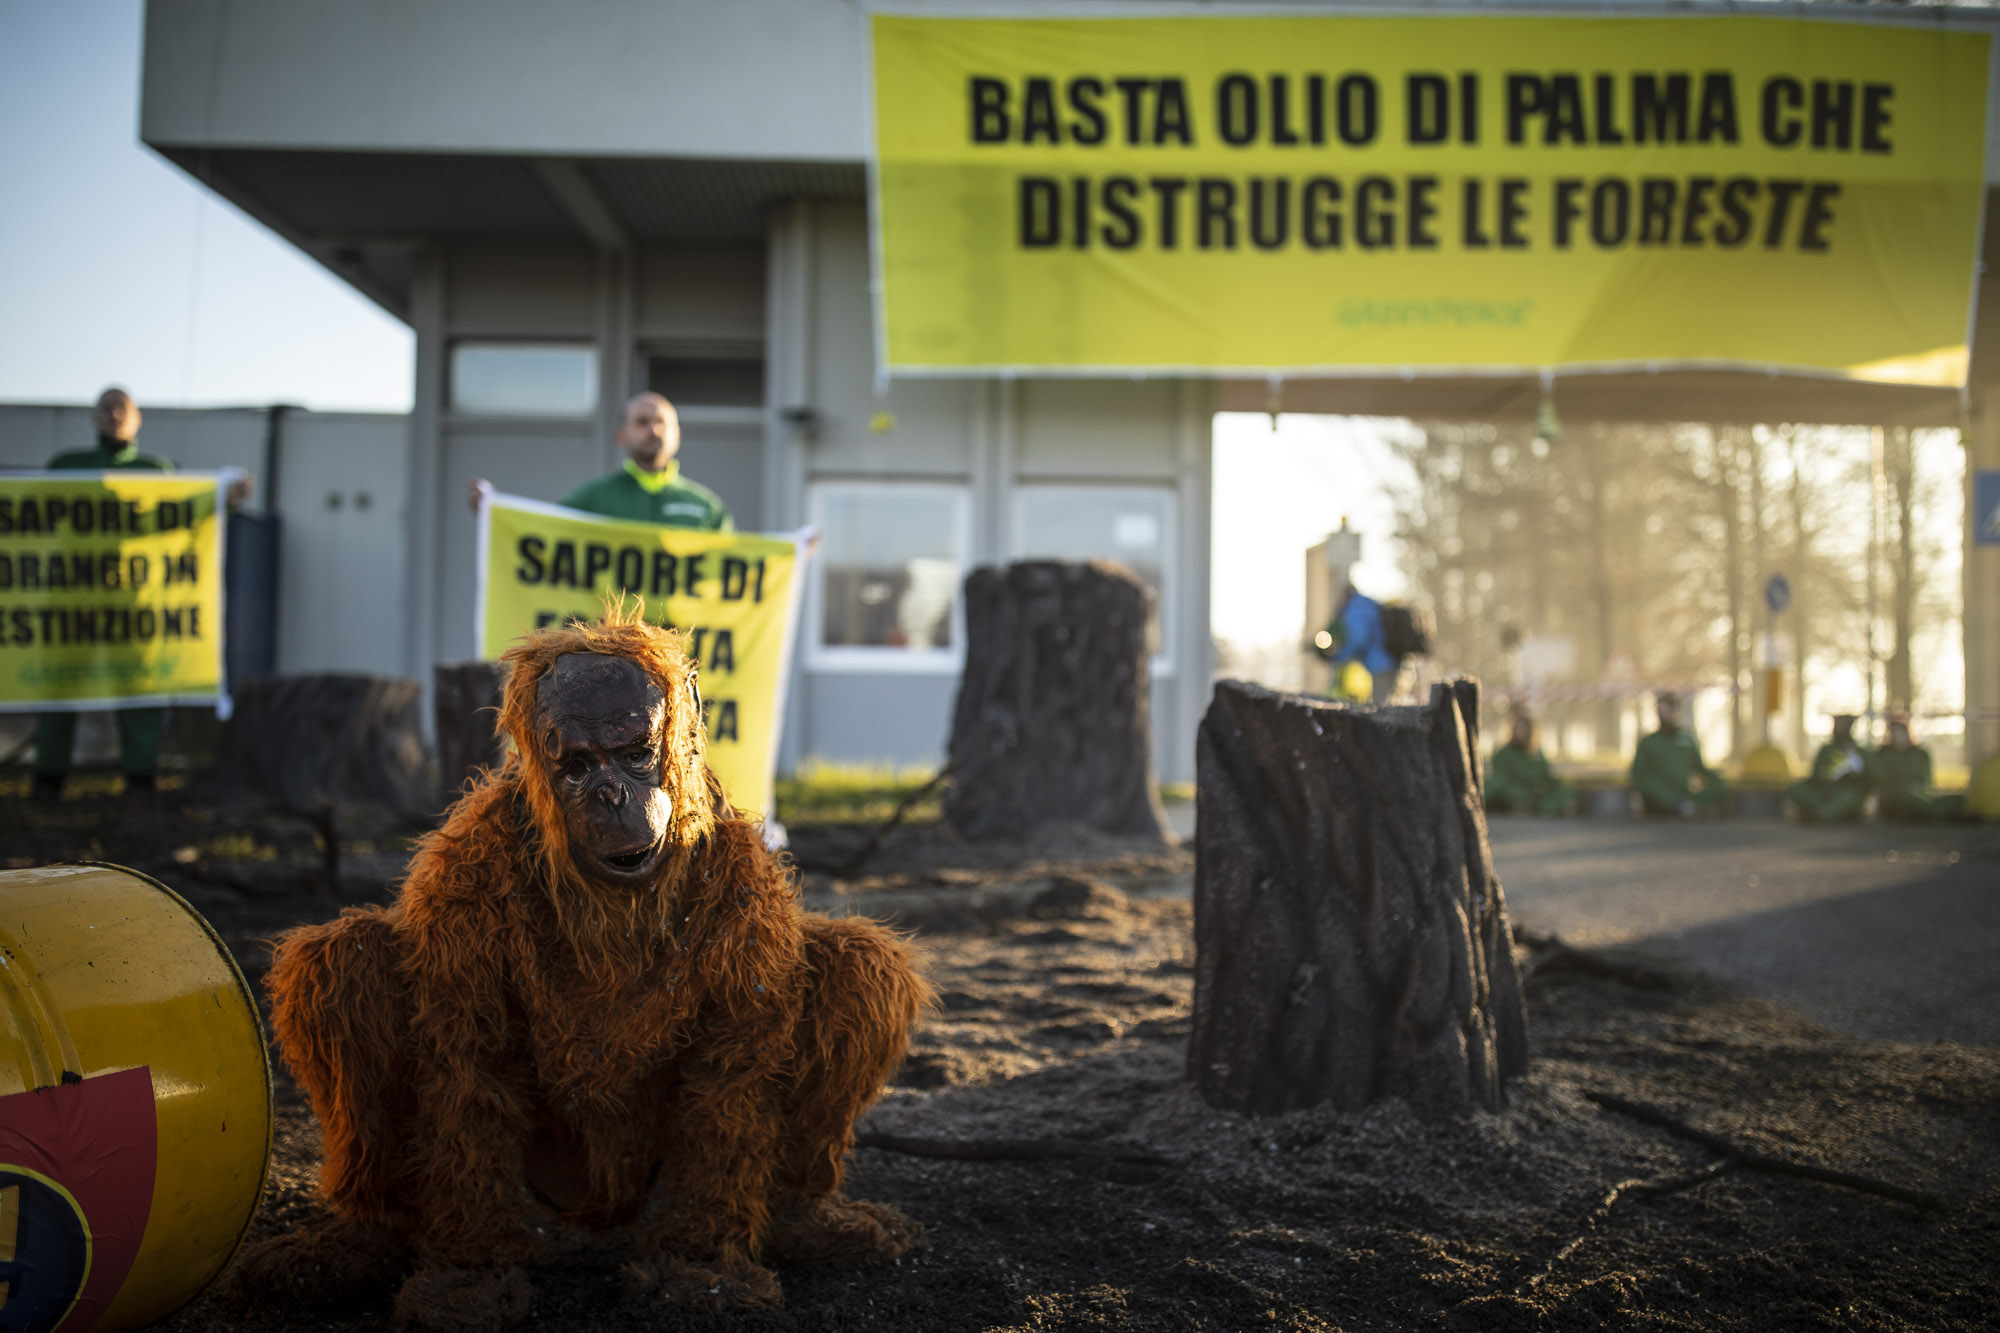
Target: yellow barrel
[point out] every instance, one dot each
(135, 1100)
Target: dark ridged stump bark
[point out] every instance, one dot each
(1351, 938)
(316, 742)
(1053, 723)
(465, 712)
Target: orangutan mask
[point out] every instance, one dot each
(602, 721)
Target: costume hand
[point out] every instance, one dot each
(476, 491)
(444, 1297)
(710, 1287)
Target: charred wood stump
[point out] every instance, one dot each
(1054, 723)
(1351, 938)
(465, 713)
(315, 743)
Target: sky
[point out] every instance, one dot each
(116, 267)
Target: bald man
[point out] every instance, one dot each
(650, 487)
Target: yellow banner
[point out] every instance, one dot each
(110, 590)
(1439, 193)
(734, 593)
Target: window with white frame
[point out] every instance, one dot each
(1129, 525)
(524, 379)
(890, 561)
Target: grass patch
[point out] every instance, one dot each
(820, 792)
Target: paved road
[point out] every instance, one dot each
(1879, 930)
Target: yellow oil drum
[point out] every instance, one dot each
(135, 1100)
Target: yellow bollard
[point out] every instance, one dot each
(1766, 766)
(135, 1100)
(1983, 799)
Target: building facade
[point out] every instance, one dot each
(572, 203)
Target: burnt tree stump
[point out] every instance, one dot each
(1351, 938)
(465, 714)
(1054, 721)
(314, 743)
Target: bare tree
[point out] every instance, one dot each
(1657, 540)
(1899, 462)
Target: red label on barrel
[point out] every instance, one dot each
(76, 1187)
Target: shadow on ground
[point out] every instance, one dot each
(1068, 1018)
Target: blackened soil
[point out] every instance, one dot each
(1069, 1021)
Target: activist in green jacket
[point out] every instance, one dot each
(650, 488)
(1667, 771)
(1903, 770)
(661, 497)
(117, 418)
(1843, 774)
(1520, 780)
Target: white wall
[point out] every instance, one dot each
(342, 492)
(775, 79)
(701, 294)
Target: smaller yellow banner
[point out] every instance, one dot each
(735, 594)
(110, 590)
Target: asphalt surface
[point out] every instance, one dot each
(1884, 931)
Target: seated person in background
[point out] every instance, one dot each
(1520, 779)
(1903, 769)
(1841, 778)
(1667, 771)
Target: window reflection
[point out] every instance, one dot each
(890, 562)
(524, 379)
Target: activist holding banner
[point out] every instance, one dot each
(117, 419)
(649, 488)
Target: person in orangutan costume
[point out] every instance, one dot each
(595, 1005)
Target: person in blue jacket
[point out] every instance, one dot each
(1357, 637)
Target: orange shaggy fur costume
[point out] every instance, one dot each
(511, 1042)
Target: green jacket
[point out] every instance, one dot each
(1519, 777)
(109, 456)
(1665, 766)
(678, 503)
(1905, 776)
(1835, 764)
